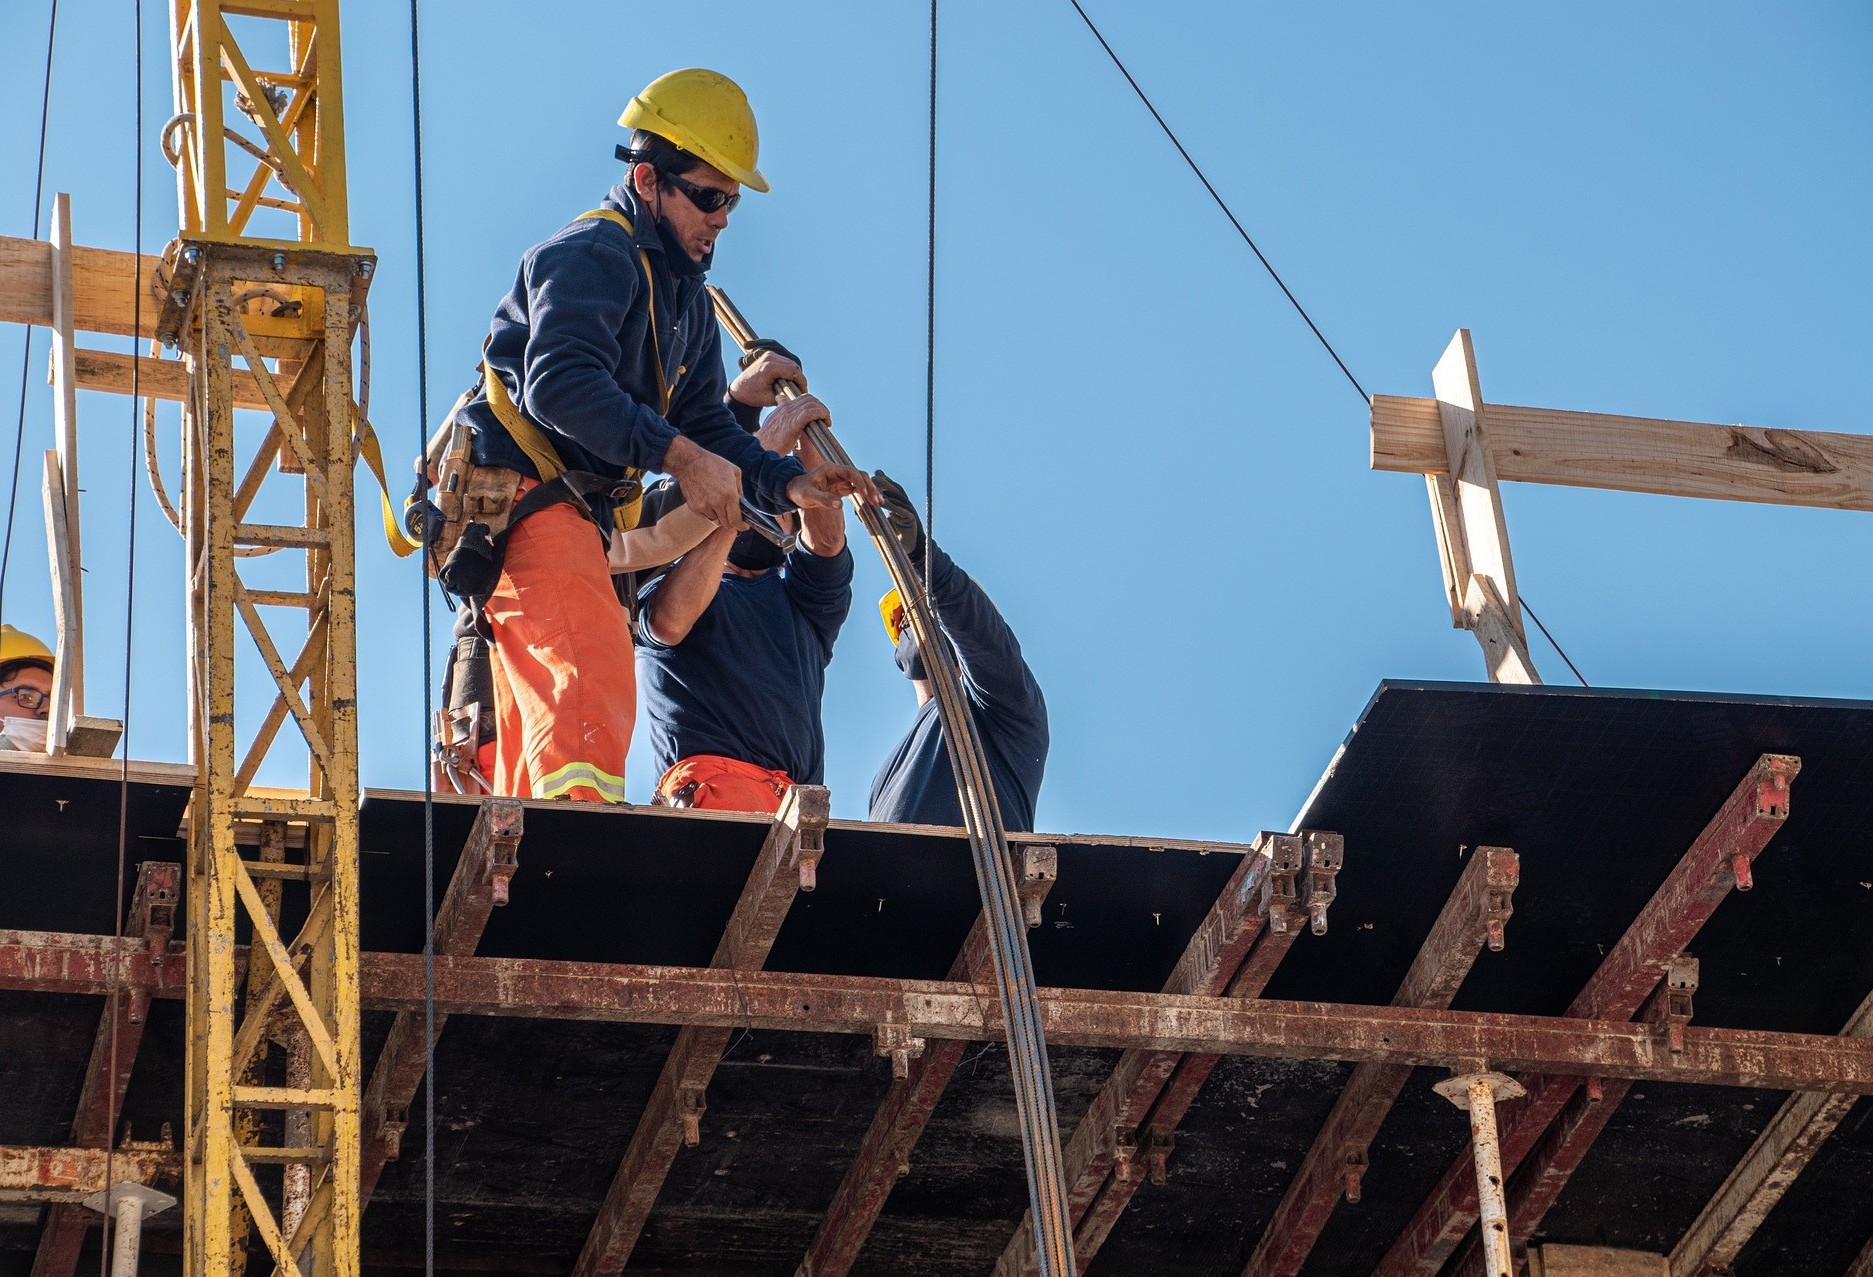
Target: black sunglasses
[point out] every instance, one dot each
(706, 198)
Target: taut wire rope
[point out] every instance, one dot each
(130, 609)
(929, 392)
(422, 579)
(26, 342)
(1273, 274)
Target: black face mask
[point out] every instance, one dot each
(681, 263)
(909, 659)
(753, 552)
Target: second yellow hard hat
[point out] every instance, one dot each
(17, 645)
(706, 114)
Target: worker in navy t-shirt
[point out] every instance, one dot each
(916, 784)
(733, 644)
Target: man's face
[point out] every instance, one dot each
(695, 230)
(28, 683)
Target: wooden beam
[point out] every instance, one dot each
(1639, 454)
(1717, 860)
(104, 284)
(1780, 1154)
(1126, 1130)
(152, 378)
(1466, 510)
(673, 1117)
(478, 885)
(1473, 916)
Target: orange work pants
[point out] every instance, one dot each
(723, 784)
(565, 688)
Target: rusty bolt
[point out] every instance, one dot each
(279, 261)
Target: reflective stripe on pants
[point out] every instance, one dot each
(565, 688)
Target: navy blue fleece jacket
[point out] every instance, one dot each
(572, 343)
(916, 785)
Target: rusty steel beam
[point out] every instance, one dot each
(1780, 1154)
(1862, 1265)
(884, 1154)
(1288, 902)
(113, 1058)
(1263, 884)
(1473, 916)
(531, 988)
(69, 1175)
(1718, 860)
(788, 864)
(478, 886)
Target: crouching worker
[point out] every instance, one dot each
(733, 644)
(603, 362)
(25, 690)
(916, 784)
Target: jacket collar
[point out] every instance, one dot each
(646, 235)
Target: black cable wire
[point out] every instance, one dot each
(1272, 273)
(1220, 203)
(929, 393)
(422, 580)
(26, 352)
(130, 604)
(1551, 643)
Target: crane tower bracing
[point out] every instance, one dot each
(272, 65)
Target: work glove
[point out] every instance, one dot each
(761, 345)
(901, 516)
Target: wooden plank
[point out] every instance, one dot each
(1818, 468)
(64, 603)
(1780, 1154)
(1472, 916)
(1595, 1261)
(673, 1116)
(166, 379)
(104, 283)
(1466, 508)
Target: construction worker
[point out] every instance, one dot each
(916, 784)
(25, 690)
(733, 644)
(605, 360)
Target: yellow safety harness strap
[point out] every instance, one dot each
(401, 543)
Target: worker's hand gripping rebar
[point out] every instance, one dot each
(988, 843)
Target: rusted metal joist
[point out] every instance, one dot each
(1473, 916)
(788, 864)
(69, 1175)
(478, 886)
(1718, 860)
(1232, 928)
(151, 924)
(1780, 1154)
(531, 988)
(1297, 888)
(883, 1156)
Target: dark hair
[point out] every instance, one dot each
(661, 153)
(12, 668)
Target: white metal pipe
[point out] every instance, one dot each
(129, 1240)
(1493, 1219)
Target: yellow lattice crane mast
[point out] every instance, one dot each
(267, 320)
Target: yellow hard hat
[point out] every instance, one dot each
(891, 608)
(16, 645)
(706, 114)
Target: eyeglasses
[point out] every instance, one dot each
(707, 199)
(30, 699)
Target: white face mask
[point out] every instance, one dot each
(25, 733)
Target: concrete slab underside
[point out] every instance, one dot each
(1599, 793)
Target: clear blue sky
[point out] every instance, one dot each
(1142, 454)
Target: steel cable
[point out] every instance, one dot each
(26, 350)
(988, 844)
